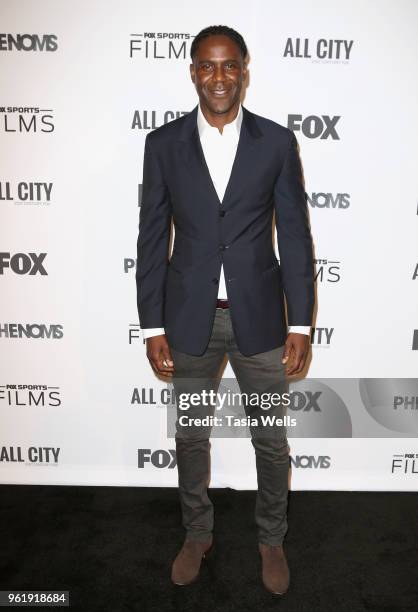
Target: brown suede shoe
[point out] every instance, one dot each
(275, 569)
(186, 565)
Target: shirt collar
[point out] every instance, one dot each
(203, 125)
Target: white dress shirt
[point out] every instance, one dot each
(219, 150)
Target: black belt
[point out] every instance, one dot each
(222, 303)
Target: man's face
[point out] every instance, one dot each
(218, 72)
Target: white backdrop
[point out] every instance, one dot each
(78, 93)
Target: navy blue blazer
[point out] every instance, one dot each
(180, 293)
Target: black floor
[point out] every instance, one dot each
(112, 548)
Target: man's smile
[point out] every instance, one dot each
(219, 92)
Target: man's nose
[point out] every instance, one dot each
(219, 74)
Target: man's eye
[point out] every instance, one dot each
(206, 66)
(230, 66)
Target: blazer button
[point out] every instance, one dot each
(215, 280)
(222, 213)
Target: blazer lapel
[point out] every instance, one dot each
(192, 153)
(243, 162)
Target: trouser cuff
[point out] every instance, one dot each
(271, 541)
(200, 536)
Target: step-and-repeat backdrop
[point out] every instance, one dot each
(81, 84)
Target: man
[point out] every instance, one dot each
(220, 173)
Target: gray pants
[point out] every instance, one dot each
(260, 373)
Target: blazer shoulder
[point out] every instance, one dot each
(166, 132)
(273, 129)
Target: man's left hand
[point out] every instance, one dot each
(295, 352)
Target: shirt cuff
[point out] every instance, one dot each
(152, 331)
(300, 329)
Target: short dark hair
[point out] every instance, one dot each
(219, 30)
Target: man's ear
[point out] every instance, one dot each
(192, 72)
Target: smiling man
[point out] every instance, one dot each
(221, 173)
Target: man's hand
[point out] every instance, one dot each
(295, 352)
(158, 353)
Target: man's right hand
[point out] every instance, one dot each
(158, 353)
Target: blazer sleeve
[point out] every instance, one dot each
(153, 241)
(294, 239)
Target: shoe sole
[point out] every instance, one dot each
(276, 593)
